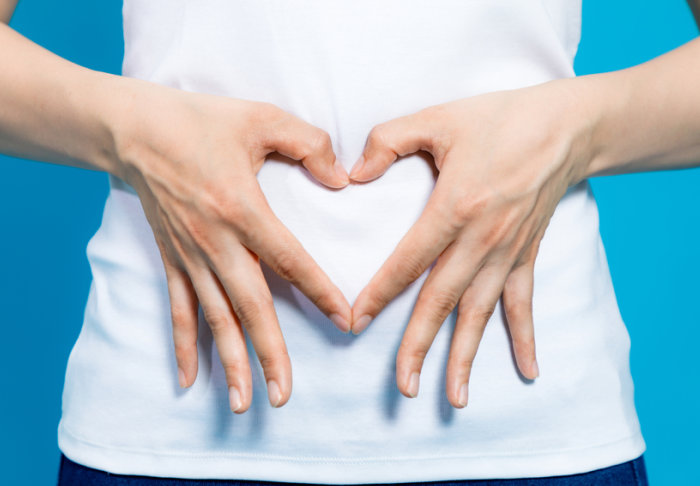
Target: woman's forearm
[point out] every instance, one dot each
(54, 110)
(192, 159)
(7, 7)
(646, 117)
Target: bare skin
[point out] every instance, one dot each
(183, 152)
(7, 7)
(485, 240)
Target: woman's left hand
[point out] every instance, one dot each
(505, 159)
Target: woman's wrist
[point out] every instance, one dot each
(645, 117)
(118, 104)
(127, 110)
(574, 120)
(603, 100)
(66, 118)
(601, 113)
(101, 108)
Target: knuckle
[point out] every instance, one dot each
(181, 315)
(272, 362)
(464, 362)
(439, 112)
(497, 233)
(518, 310)
(198, 231)
(184, 348)
(201, 228)
(523, 261)
(172, 262)
(269, 110)
(460, 362)
(430, 113)
(296, 145)
(262, 113)
(287, 265)
(217, 318)
(524, 344)
(324, 301)
(418, 354)
(230, 210)
(410, 267)
(164, 253)
(410, 356)
(463, 211)
(221, 204)
(478, 315)
(377, 299)
(468, 208)
(251, 310)
(320, 143)
(378, 135)
(235, 368)
(440, 303)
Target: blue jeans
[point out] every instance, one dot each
(631, 473)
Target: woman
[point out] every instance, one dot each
(201, 153)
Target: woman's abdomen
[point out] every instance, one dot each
(345, 67)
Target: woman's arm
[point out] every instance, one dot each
(695, 8)
(505, 159)
(643, 118)
(54, 110)
(193, 160)
(7, 7)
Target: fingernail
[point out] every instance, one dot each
(234, 398)
(413, 384)
(535, 368)
(361, 324)
(340, 172)
(339, 322)
(357, 168)
(181, 378)
(273, 393)
(463, 395)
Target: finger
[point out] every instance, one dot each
(518, 293)
(227, 333)
(475, 309)
(437, 298)
(387, 141)
(184, 307)
(517, 303)
(284, 254)
(252, 303)
(183, 310)
(416, 251)
(310, 145)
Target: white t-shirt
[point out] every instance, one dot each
(345, 66)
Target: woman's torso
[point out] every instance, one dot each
(345, 66)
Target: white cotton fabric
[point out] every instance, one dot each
(345, 66)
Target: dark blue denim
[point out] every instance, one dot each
(631, 473)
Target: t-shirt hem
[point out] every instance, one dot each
(341, 470)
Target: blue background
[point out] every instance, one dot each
(649, 224)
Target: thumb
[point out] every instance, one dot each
(311, 146)
(387, 141)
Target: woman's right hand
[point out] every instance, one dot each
(193, 160)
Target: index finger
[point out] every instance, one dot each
(419, 247)
(284, 254)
